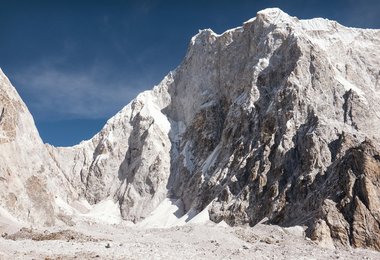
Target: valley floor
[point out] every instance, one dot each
(97, 241)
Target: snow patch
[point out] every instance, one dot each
(194, 217)
(274, 15)
(349, 86)
(250, 20)
(159, 118)
(167, 214)
(63, 206)
(106, 211)
(211, 159)
(170, 213)
(316, 24)
(201, 218)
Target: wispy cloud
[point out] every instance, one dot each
(54, 94)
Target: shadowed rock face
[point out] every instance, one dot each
(281, 142)
(356, 199)
(277, 119)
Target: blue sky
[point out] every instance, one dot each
(76, 63)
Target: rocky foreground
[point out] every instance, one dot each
(96, 241)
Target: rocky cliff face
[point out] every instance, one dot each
(277, 118)
(129, 160)
(30, 182)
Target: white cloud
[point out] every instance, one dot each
(86, 94)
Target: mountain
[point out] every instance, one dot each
(275, 119)
(28, 174)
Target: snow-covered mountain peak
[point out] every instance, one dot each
(203, 37)
(274, 16)
(274, 119)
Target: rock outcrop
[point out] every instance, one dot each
(30, 182)
(277, 119)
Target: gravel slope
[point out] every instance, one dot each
(122, 241)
